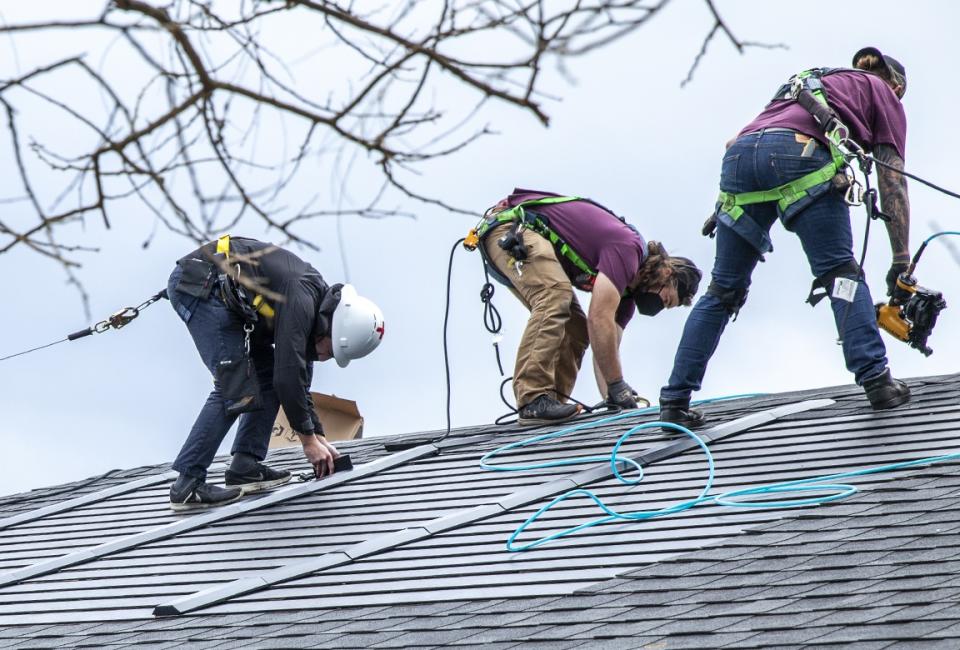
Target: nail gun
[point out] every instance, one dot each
(912, 311)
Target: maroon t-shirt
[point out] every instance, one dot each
(864, 102)
(603, 241)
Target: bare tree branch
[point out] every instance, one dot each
(215, 116)
(719, 25)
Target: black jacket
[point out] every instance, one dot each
(302, 315)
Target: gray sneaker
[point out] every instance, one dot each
(546, 410)
(188, 493)
(260, 477)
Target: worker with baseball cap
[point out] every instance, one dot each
(787, 164)
(260, 316)
(890, 70)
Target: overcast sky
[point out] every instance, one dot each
(623, 132)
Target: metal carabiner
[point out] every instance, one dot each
(247, 330)
(123, 317)
(854, 194)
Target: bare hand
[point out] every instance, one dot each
(319, 453)
(330, 448)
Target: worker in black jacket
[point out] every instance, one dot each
(260, 316)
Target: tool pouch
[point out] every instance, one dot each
(197, 278)
(512, 242)
(235, 298)
(237, 380)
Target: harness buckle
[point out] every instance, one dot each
(796, 86)
(727, 201)
(839, 135)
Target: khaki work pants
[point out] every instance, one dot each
(555, 338)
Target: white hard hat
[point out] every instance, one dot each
(357, 327)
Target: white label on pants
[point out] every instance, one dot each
(844, 289)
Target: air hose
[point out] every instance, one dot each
(923, 247)
(733, 498)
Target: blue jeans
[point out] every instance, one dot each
(761, 161)
(218, 335)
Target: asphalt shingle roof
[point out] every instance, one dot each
(878, 569)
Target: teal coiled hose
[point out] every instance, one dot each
(731, 498)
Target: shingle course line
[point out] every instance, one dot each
(244, 586)
(226, 512)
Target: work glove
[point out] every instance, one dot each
(620, 394)
(895, 270)
(710, 226)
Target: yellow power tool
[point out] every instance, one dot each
(912, 311)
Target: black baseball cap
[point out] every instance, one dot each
(896, 69)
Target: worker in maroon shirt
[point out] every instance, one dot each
(786, 153)
(542, 246)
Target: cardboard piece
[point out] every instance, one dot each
(340, 418)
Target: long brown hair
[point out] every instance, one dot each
(661, 268)
(656, 269)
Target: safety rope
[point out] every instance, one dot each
(39, 347)
(115, 321)
(870, 203)
(909, 175)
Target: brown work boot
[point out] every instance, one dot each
(678, 411)
(885, 392)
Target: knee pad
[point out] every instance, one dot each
(849, 270)
(731, 299)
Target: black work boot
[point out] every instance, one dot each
(190, 493)
(885, 392)
(546, 410)
(678, 411)
(250, 475)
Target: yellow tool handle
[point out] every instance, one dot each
(891, 319)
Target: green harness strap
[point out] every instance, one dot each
(786, 194)
(789, 193)
(539, 226)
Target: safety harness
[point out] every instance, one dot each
(524, 219)
(807, 90)
(235, 295)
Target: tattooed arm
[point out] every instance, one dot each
(894, 201)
